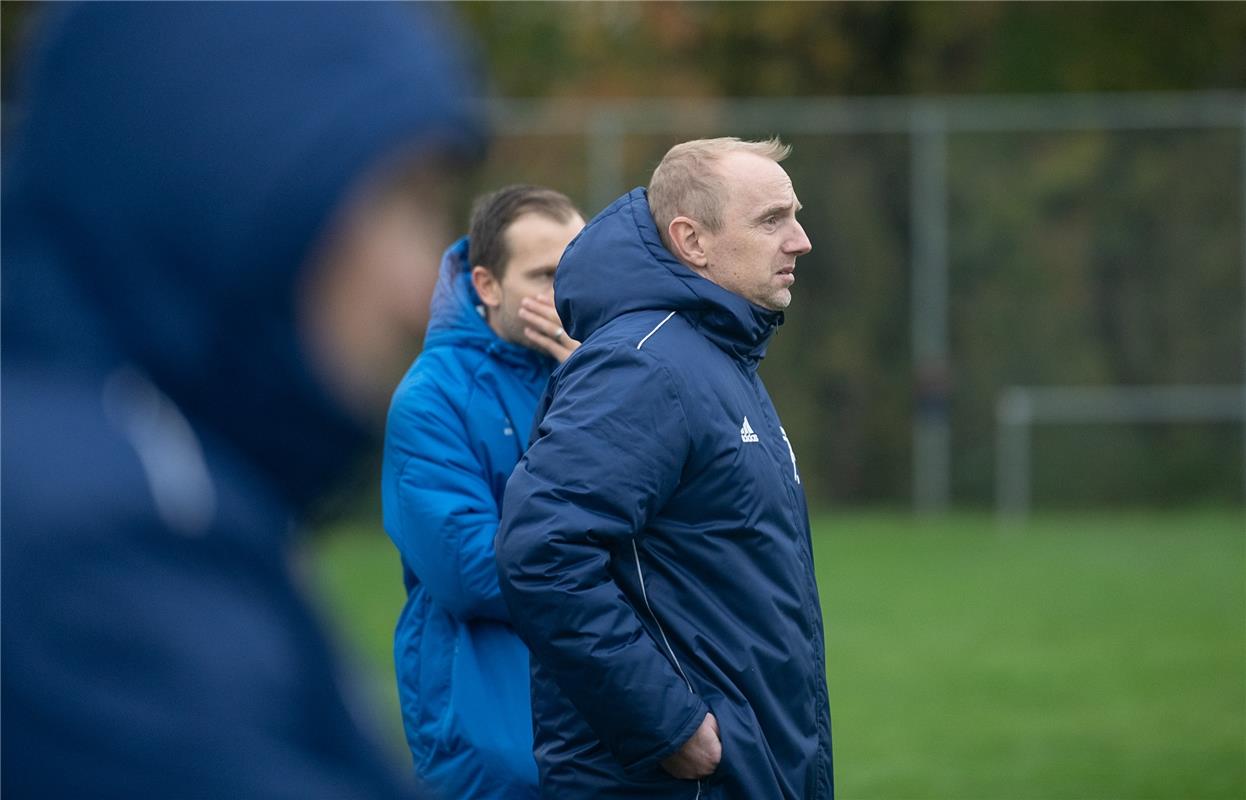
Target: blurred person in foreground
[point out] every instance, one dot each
(655, 550)
(458, 423)
(220, 225)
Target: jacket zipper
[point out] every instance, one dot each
(806, 553)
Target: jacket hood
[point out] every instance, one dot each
(175, 164)
(455, 318)
(618, 265)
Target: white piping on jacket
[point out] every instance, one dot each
(645, 595)
(167, 448)
(636, 553)
(655, 330)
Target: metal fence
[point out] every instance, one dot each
(945, 155)
(596, 150)
(1021, 408)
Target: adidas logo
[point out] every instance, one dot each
(746, 432)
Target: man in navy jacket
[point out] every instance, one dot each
(458, 423)
(220, 232)
(655, 550)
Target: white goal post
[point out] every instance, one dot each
(1020, 408)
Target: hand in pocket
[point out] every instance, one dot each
(699, 756)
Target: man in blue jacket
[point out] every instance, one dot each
(655, 550)
(458, 423)
(221, 225)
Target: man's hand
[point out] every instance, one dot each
(700, 755)
(544, 329)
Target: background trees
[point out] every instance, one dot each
(1092, 257)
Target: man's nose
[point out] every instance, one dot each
(799, 243)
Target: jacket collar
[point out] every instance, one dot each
(618, 265)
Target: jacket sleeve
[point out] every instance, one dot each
(438, 506)
(608, 454)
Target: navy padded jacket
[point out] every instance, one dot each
(164, 427)
(655, 549)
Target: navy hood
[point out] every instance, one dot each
(174, 165)
(618, 265)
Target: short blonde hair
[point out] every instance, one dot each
(687, 182)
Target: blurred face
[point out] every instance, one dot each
(365, 303)
(535, 244)
(754, 254)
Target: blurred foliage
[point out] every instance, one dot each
(1097, 258)
(1101, 258)
(1085, 258)
(787, 48)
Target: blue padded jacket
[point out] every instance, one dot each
(655, 549)
(458, 423)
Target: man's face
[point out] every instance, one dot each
(754, 253)
(365, 302)
(535, 243)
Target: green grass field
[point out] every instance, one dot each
(1081, 656)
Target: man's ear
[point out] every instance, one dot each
(686, 242)
(487, 286)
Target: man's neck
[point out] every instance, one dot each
(491, 321)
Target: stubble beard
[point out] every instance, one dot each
(776, 300)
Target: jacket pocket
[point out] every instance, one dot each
(745, 769)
